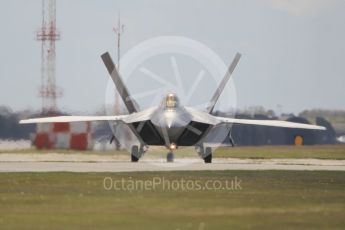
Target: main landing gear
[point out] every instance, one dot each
(204, 153)
(137, 153)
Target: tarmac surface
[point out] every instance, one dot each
(52, 162)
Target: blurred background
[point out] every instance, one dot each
(292, 65)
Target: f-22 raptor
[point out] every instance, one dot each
(170, 124)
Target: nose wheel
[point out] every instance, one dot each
(170, 156)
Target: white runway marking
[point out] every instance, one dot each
(98, 163)
(145, 166)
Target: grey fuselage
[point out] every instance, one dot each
(170, 123)
(173, 124)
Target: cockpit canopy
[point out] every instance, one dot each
(171, 101)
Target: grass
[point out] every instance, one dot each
(298, 152)
(257, 152)
(267, 200)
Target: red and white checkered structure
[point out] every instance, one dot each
(74, 135)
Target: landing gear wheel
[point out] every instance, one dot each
(208, 159)
(135, 153)
(170, 157)
(208, 153)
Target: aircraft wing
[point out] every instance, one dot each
(72, 119)
(201, 117)
(205, 118)
(273, 123)
(132, 118)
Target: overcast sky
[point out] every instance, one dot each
(293, 50)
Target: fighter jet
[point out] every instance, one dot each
(170, 123)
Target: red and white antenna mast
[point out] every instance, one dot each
(47, 35)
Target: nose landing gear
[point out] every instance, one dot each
(170, 156)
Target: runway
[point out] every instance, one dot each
(98, 163)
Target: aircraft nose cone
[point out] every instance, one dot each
(169, 121)
(174, 120)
